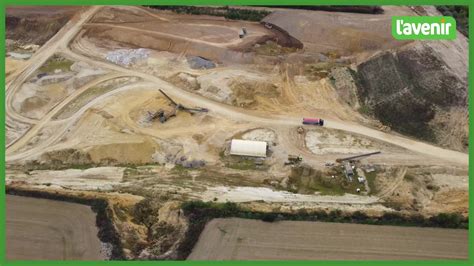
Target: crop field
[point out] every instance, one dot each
(242, 239)
(39, 229)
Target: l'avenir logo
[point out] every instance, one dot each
(423, 28)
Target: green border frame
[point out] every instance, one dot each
(6, 3)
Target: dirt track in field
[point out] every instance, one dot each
(39, 229)
(241, 239)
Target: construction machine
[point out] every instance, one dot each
(163, 116)
(339, 160)
(294, 159)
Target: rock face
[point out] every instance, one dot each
(415, 92)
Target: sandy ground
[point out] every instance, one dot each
(243, 194)
(100, 178)
(107, 124)
(11, 65)
(24, 11)
(38, 229)
(241, 239)
(342, 33)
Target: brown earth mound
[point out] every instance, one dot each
(36, 24)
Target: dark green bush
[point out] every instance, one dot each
(228, 13)
(460, 14)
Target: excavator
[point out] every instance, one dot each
(163, 116)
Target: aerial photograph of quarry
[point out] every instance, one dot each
(234, 133)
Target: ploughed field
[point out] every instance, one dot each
(243, 239)
(40, 229)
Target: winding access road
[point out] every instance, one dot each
(60, 43)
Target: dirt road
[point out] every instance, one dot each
(240, 114)
(68, 124)
(39, 229)
(60, 39)
(228, 43)
(241, 239)
(18, 143)
(237, 114)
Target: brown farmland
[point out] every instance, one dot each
(39, 229)
(242, 239)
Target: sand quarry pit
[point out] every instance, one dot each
(83, 116)
(55, 80)
(340, 33)
(214, 38)
(39, 229)
(241, 239)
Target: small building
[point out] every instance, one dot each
(248, 148)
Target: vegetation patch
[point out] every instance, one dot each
(180, 170)
(350, 9)
(306, 180)
(319, 70)
(242, 165)
(371, 181)
(227, 12)
(56, 62)
(409, 177)
(271, 48)
(392, 90)
(56, 164)
(460, 14)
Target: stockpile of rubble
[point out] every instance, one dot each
(127, 57)
(197, 62)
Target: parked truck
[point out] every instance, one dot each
(313, 121)
(294, 159)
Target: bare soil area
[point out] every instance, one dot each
(241, 239)
(39, 229)
(36, 24)
(340, 33)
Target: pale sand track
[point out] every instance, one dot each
(60, 39)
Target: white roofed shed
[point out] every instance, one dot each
(248, 148)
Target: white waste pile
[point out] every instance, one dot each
(127, 57)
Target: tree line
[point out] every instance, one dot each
(226, 12)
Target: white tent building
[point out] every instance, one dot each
(248, 148)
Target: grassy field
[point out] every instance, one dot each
(56, 62)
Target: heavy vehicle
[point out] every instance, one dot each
(313, 121)
(294, 159)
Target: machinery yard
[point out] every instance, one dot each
(277, 110)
